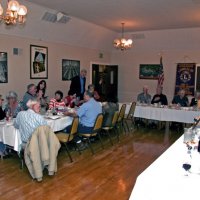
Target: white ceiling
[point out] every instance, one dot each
(138, 15)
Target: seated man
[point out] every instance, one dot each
(2, 116)
(29, 95)
(109, 108)
(91, 88)
(87, 113)
(28, 121)
(196, 98)
(159, 97)
(181, 98)
(144, 97)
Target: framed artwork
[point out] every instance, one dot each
(70, 69)
(3, 67)
(38, 62)
(149, 71)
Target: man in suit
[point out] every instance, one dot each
(78, 84)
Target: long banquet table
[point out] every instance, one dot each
(166, 114)
(10, 135)
(165, 178)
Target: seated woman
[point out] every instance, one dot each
(195, 99)
(57, 101)
(42, 85)
(91, 88)
(108, 109)
(70, 100)
(2, 116)
(13, 107)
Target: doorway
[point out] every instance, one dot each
(105, 79)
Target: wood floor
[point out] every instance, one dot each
(108, 175)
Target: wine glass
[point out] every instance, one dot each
(186, 166)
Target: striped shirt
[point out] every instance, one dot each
(27, 122)
(55, 104)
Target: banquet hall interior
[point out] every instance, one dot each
(86, 32)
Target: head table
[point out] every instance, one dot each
(9, 135)
(183, 115)
(166, 179)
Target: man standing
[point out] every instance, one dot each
(29, 95)
(78, 84)
(28, 121)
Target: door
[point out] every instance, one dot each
(105, 79)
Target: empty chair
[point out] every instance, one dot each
(120, 120)
(108, 129)
(130, 116)
(65, 138)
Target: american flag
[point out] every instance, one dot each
(161, 74)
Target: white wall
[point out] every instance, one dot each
(19, 66)
(181, 45)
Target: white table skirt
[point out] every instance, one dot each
(165, 114)
(10, 135)
(165, 178)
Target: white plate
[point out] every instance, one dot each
(9, 123)
(2, 122)
(53, 117)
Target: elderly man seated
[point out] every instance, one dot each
(181, 99)
(87, 113)
(144, 97)
(27, 121)
(41, 143)
(29, 95)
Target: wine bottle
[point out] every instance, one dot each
(198, 149)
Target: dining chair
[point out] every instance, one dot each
(130, 116)
(112, 127)
(95, 132)
(120, 119)
(66, 138)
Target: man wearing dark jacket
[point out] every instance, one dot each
(78, 84)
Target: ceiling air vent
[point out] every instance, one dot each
(56, 18)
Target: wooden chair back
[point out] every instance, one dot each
(98, 123)
(114, 119)
(74, 126)
(131, 110)
(121, 113)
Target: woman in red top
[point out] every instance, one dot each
(57, 101)
(70, 100)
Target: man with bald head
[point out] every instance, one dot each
(144, 97)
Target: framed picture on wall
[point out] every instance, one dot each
(3, 67)
(70, 69)
(149, 71)
(38, 62)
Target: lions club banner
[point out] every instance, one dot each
(185, 77)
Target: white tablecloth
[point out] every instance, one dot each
(165, 114)
(11, 136)
(165, 178)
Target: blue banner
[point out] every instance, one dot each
(185, 77)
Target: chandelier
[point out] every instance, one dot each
(15, 13)
(122, 43)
